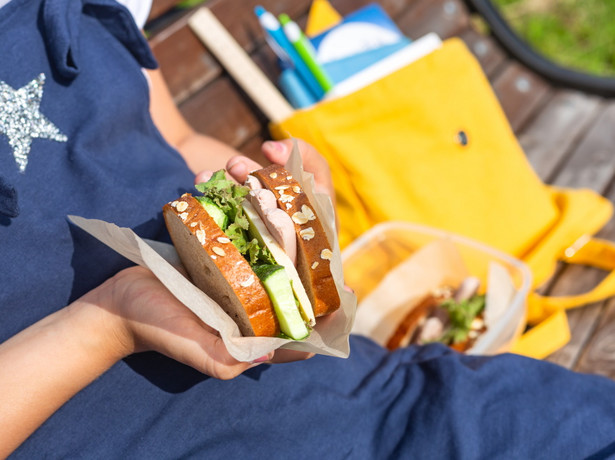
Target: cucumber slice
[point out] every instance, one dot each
(277, 285)
(214, 211)
(259, 231)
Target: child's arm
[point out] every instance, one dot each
(200, 151)
(44, 365)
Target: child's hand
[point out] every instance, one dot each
(146, 316)
(278, 152)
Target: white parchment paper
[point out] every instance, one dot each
(433, 266)
(329, 336)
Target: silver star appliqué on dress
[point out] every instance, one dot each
(21, 121)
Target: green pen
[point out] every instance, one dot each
(305, 50)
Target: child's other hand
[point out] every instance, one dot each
(145, 316)
(278, 152)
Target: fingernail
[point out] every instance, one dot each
(233, 161)
(275, 146)
(262, 359)
(238, 169)
(203, 176)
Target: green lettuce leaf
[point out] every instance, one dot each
(461, 315)
(228, 196)
(225, 193)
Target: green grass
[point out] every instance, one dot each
(574, 33)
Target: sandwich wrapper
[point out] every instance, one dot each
(329, 336)
(435, 265)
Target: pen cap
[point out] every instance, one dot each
(273, 30)
(294, 33)
(306, 52)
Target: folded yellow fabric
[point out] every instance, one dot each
(430, 144)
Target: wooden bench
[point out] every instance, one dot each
(568, 136)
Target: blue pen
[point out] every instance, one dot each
(273, 28)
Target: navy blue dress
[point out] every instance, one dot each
(76, 138)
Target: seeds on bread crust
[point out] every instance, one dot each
(248, 282)
(307, 211)
(257, 315)
(200, 235)
(307, 233)
(299, 218)
(284, 198)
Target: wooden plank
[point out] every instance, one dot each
(591, 167)
(552, 135)
(599, 356)
(184, 62)
(592, 164)
(520, 93)
(596, 356)
(221, 111)
(583, 324)
(583, 321)
(444, 17)
(239, 18)
(608, 231)
(557, 129)
(160, 7)
(486, 50)
(393, 7)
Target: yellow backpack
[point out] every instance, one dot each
(430, 144)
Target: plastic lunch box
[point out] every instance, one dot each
(370, 257)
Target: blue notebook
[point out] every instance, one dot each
(361, 39)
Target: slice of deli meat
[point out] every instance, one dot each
(279, 224)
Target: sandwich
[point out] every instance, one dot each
(259, 250)
(454, 317)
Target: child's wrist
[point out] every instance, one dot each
(104, 330)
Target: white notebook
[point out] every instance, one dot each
(414, 51)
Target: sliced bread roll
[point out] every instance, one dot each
(218, 268)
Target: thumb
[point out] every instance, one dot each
(240, 166)
(203, 176)
(277, 152)
(313, 162)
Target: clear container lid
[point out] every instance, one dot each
(374, 254)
